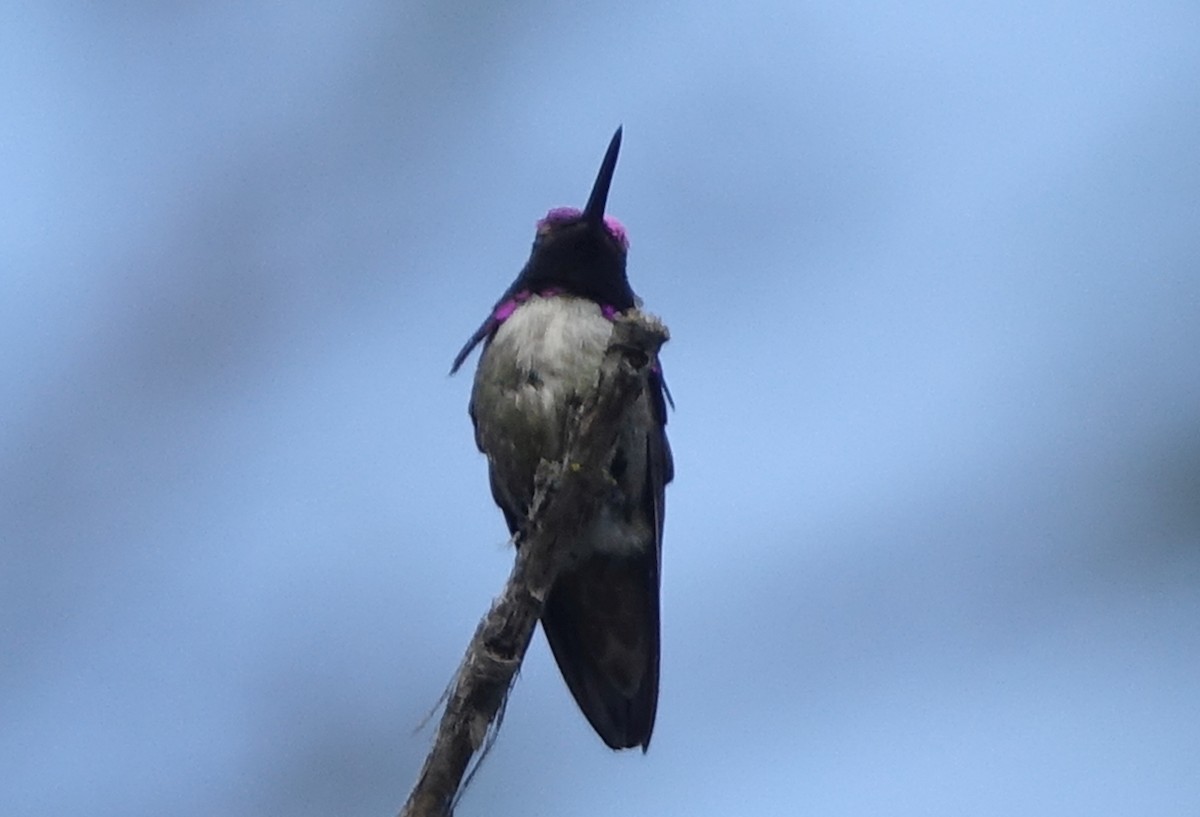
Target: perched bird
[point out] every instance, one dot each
(544, 341)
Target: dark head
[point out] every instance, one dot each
(579, 252)
(583, 251)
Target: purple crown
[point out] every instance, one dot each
(560, 215)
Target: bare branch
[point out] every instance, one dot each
(565, 490)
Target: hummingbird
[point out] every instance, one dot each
(543, 343)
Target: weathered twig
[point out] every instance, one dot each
(564, 490)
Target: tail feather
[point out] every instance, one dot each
(601, 620)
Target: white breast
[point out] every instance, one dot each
(558, 342)
(542, 360)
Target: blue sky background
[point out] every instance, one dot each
(932, 272)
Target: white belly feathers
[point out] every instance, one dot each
(557, 344)
(543, 359)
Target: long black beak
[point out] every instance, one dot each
(593, 213)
